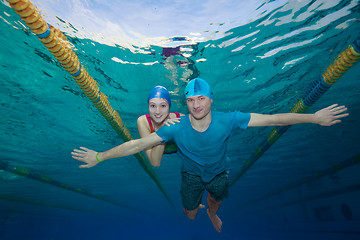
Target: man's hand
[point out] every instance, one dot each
(85, 155)
(330, 115)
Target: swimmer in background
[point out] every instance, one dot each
(159, 115)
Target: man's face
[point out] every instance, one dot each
(199, 106)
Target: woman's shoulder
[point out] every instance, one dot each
(143, 125)
(142, 119)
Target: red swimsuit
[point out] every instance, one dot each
(170, 147)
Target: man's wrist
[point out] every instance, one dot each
(315, 118)
(98, 157)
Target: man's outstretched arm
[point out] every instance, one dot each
(91, 158)
(325, 117)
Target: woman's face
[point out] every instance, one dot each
(158, 110)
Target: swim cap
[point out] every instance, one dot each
(160, 92)
(198, 86)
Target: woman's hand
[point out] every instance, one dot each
(330, 115)
(85, 155)
(172, 121)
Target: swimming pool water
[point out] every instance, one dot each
(263, 63)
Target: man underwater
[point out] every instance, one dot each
(201, 137)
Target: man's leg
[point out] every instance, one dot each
(191, 214)
(218, 190)
(213, 207)
(191, 192)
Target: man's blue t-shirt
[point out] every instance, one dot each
(203, 153)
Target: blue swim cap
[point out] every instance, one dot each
(160, 92)
(198, 86)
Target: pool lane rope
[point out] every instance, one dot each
(352, 161)
(332, 74)
(11, 198)
(57, 43)
(45, 179)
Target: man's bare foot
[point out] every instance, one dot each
(216, 221)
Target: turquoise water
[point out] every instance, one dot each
(264, 63)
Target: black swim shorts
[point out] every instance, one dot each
(192, 189)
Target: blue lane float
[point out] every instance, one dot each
(333, 73)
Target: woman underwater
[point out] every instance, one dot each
(159, 114)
